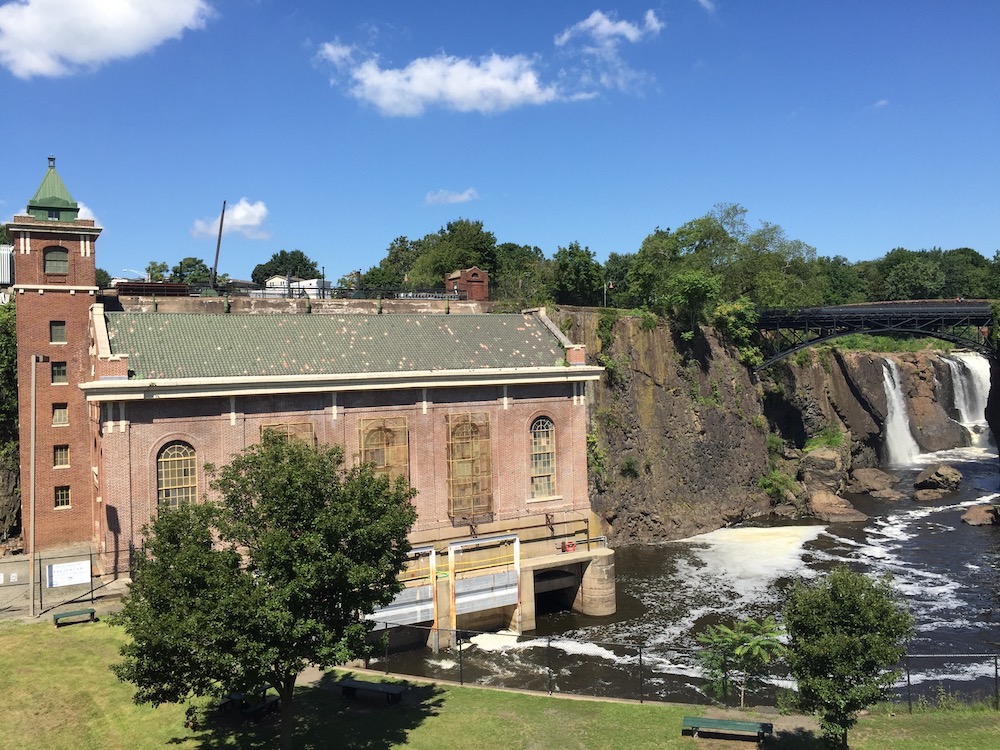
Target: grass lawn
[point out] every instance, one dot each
(57, 692)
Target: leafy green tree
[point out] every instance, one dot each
(191, 271)
(393, 271)
(577, 276)
(740, 654)
(10, 493)
(738, 322)
(523, 276)
(461, 244)
(616, 274)
(966, 274)
(690, 293)
(284, 263)
(277, 575)
(846, 632)
(156, 271)
(657, 257)
(919, 277)
(103, 278)
(838, 281)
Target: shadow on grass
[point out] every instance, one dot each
(324, 718)
(795, 739)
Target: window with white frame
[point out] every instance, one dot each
(543, 458)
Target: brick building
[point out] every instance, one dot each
(486, 415)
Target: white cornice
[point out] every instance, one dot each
(172, 388)
(55, 288)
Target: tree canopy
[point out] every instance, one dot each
(846, 633)
(285, 263)
(10, 496)
(191, 271)
(276, 575)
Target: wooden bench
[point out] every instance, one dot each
(88, 611)
(727, 726)
(257, 711)
(393, 691)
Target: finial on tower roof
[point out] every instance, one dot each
(52, 162)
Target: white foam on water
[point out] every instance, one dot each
(445, 664)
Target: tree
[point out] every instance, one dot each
(156, 271)
(10, 477)
(741, 653)
(577, 276)
(690, 294)
(277, 575)
(522, 277)
(845, 632)
(284, 263)
(191, 271)
(103, 278)
(461, 244)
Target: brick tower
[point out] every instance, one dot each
(55, 285)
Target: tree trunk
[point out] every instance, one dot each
(287, 691)
(10, 496)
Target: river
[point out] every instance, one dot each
(946, 571)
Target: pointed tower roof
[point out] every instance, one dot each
(52, 200)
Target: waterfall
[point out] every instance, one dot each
(901, 448)
(970, 377)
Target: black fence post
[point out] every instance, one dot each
(996, 685)
(41, 586)
(548, 661)
(385, 642)
(641, 686)
(91, 576)
(461, 666)
(909, 692)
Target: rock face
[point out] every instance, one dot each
(682, 433)
(935, 482)
(833, 509)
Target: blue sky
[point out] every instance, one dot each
(334, 127)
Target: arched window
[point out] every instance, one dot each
(384, 443)
(176, 475)
(56, 260)
(470, 473)
(543, 458)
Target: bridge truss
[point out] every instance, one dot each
(968, 324)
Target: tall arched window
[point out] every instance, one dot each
(470, 472)
(176, 475)
(56, 260)
(384, 443)
(543, 458)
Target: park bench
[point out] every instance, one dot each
(392, 691)
(727, 726)
(257, 711)
(88, 611)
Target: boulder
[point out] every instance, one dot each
(888, 494)
(834, 509)
(823, 470)
(981, 515)
(870, 481)
(942, 478)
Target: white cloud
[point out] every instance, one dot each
(441, 197)
(86, 213)
(708, 5)
(244, 218)
(880, 104)
(57, 38)
(494, 83)
(490, 84)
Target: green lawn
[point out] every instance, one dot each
(57, 692)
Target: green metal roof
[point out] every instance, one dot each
(180, 345)
(52, 194)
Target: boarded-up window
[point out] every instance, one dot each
(176, 475)
(543, 458)
(384, 442)
(56, 260)
(293, 430)
(470, 477)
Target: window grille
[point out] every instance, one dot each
(470, 477)
(291, 430)
(385, 443)
(60, 414)
(543, 458)
(59, 373)
(62, 497)
(57, 332)
(176, 475)
(60, 456)
(56, 260)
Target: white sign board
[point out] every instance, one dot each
(69, 574)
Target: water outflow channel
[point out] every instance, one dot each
(948, 573)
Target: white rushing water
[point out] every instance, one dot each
(900, 446)
(970, 377)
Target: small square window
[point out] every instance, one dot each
(59, 373)
(57, 332)
(60, 456)
(60, 414)
(62, 497)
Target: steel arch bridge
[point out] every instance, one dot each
(969, 324)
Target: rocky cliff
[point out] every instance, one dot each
(682, 433)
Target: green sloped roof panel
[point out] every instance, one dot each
(179, 345)
(52, 192)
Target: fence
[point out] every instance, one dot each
(642, 672)
(58, 580)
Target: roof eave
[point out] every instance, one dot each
(120, 389)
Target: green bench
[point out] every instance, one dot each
(88, 611)
(726, 726)
(393, 691)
